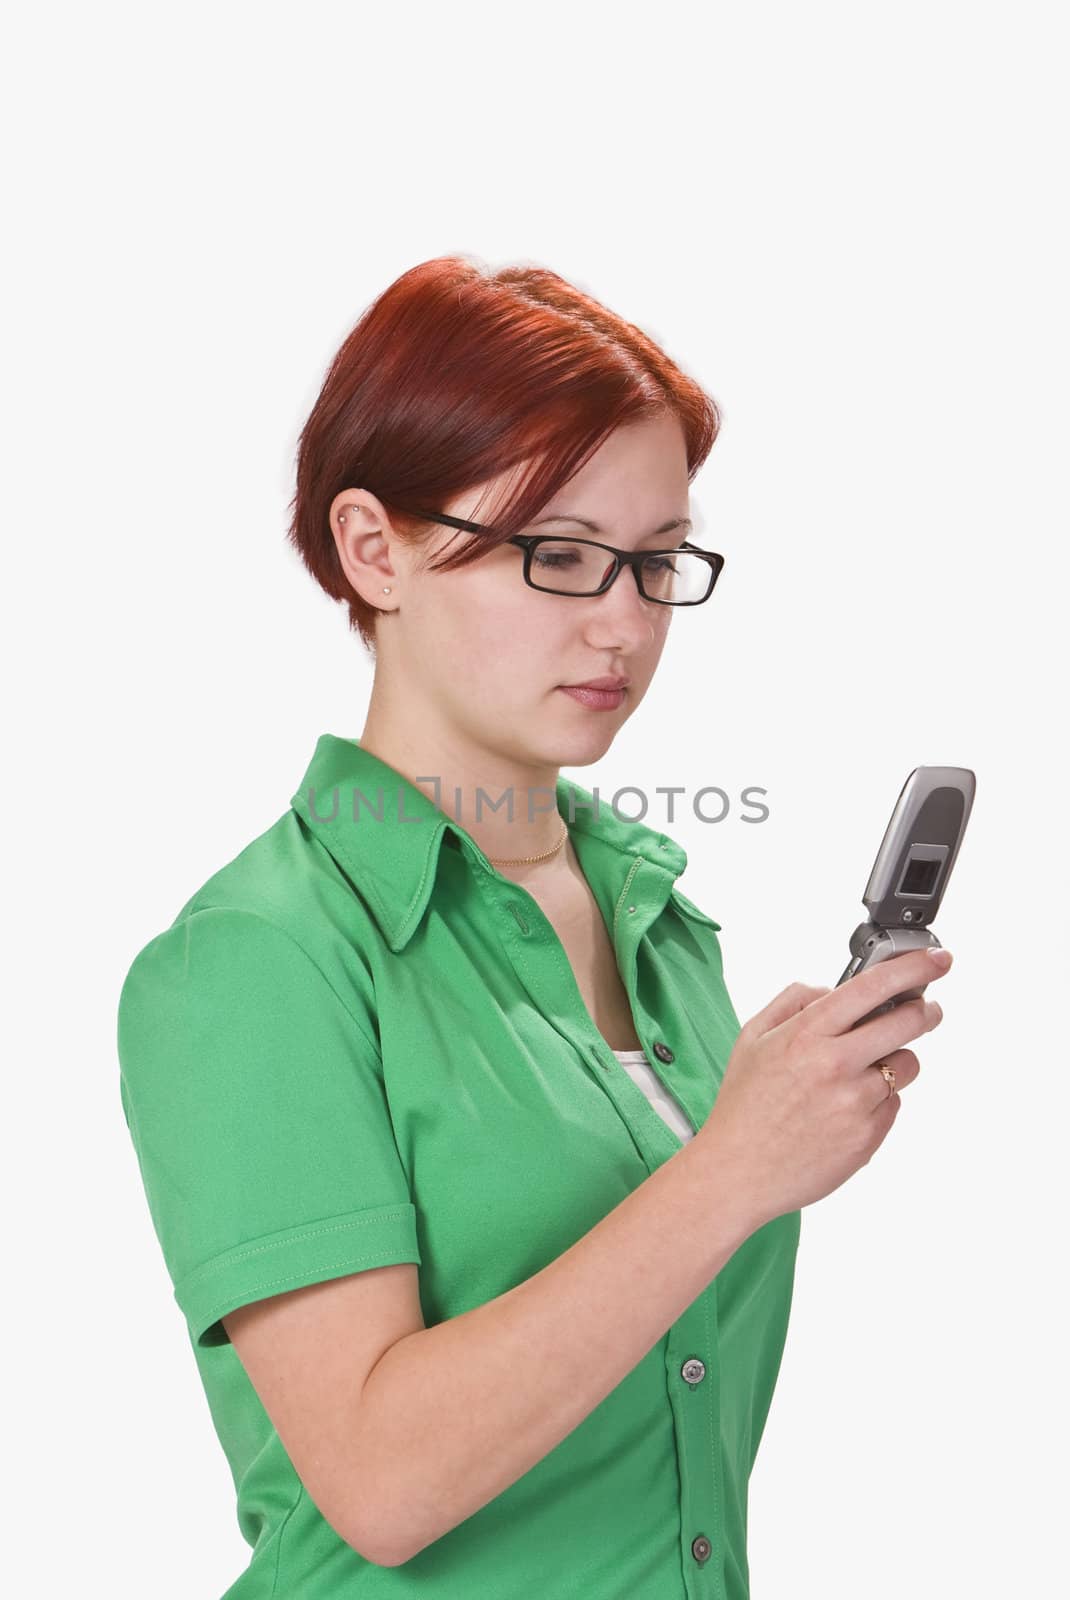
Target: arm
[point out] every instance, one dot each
(575, 1329)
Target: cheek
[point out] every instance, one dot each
(522, 645)
(486, 627)
(504, 615)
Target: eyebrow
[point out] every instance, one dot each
(564, 516)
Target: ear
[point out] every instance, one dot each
(366, 544)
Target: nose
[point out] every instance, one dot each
(624, 611)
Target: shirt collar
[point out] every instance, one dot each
(393, 862)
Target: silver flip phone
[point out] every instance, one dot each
(911, 872)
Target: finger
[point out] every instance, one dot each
(886, 1111)
(874, 1041)
(788, 1003)
(903, 1064)
(838, 1010)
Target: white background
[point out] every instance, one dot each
(847, 221)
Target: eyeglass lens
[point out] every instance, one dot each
(566, 567)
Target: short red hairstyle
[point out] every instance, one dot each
(456, 374)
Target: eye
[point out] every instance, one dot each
(555, 558)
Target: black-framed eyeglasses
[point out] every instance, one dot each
(682, 576)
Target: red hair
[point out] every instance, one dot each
(453, 376)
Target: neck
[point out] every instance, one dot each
(507, 805)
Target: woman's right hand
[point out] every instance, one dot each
(801, 1105)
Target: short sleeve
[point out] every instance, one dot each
(255, 1101)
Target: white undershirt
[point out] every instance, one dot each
(644, 1077)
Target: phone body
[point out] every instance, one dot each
(911, 872)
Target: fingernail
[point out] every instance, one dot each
(943, 958)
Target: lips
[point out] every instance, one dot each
(595, 699)
(599, 683)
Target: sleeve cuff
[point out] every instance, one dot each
(309, 1253)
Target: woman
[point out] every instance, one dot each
(480, 1205)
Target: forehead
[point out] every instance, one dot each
(634, 485)
(633, 491)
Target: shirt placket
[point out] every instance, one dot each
(692, 1363)
(691, 1344)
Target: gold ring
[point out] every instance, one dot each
(888, 1074)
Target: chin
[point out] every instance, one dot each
(581, 749)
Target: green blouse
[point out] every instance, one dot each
(359, 1043)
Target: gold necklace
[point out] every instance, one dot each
(519, 861)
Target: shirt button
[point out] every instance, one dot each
(701, 1548)
(693, 1371)
(662, 1051)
